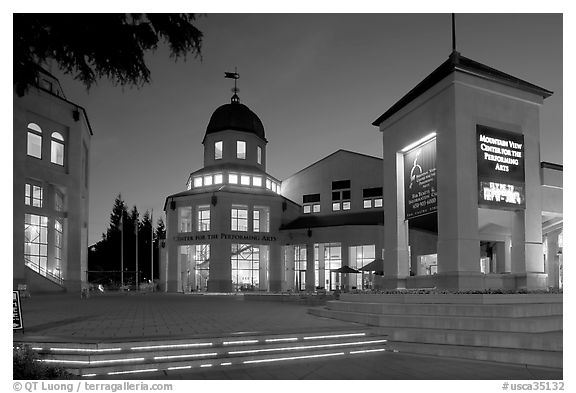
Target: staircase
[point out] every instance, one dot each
(481, 327)
(166, 356)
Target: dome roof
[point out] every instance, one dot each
(235, 116)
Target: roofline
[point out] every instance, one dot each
(330, 155)
(182, 194)
(71, 103)
(455, 63)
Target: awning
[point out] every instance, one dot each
(377, 265)
(345, 269)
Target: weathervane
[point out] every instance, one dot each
(234, 75)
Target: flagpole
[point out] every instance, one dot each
(136, 232)
(122, 251)
(152, 248)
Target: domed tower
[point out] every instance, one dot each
(235, 136)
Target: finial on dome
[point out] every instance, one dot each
(234, 75)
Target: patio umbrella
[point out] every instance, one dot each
(377, 265)
(345, 269)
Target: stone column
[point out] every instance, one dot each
(288, 256)
(220, 277)
(277, 268)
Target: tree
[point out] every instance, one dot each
(94, 46)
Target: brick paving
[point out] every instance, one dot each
(128, 317)
(161, 315)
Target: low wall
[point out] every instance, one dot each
(453, 298)
(304, 299)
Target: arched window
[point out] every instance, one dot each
(34, 144)
(57, 149)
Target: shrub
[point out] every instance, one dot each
(27, 366)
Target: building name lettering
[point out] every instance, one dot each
(225, 236)
(500, 151)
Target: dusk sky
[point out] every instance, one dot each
(317, 82)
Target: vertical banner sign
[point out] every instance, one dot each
(420, 180)
(17, 312)
(500, 156)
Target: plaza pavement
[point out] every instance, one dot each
(154, 316)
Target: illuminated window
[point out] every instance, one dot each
(245, 180)
(34, 148)
(57, 149)
(239, 218)
(311, 203)
(340, 195)
(203, 214)
(208, 180)
(36, 242)
(361, 256)
(197, 182)
(372, 197)
(268, 184)
(33, 195)
(232, 178)
(218, 178)
(245, 266)
(218, 150)
(261, 219)
(257, 181)
(185, 219)
(259, 154)
(58, 241)
(241, 150)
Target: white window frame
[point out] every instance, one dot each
(259, 155)
(241, 145)
(56, 143)
(203, 219)
(34, 131)
(236, 220)
(218, 148)
(185, 223)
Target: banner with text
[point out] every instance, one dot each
(420, 180)
(500, 156)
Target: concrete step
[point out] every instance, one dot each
(92, 359)
(550, 341)
(524, 324)
(551, 359)
(469, 310)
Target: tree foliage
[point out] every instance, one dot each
(94, 46)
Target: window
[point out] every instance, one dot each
(208, 180)
(300, 267)
(341, 195)
(58, 241)
(57, 149)
(232, 178)
(261, 219)
(245, 261)
(311, 203)
(269, 184)
(185, 219)
(241, 150)
(203, 214)
(245, 180)
(257, 181)
(34, 148)
(239, 218)
(361, 256)
(218, 150)
(372, 197)
(36, 242)
(259, 154)
(58, 200)
(218, 178)
(33, 195)
(198, 182)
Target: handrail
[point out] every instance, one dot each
(43, 272)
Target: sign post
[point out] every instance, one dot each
(17, 323)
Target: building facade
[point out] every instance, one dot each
(51, 153)
(237, 228)
(459, 201)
